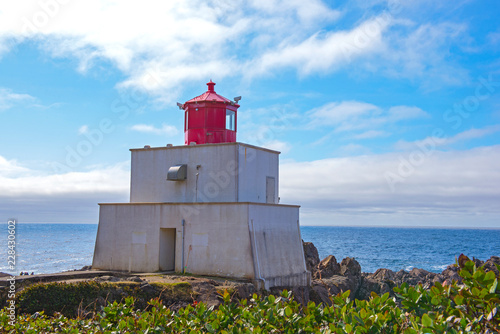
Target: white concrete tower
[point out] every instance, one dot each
(208, 208)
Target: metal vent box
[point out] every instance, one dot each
(177, 173)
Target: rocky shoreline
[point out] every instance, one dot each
(330, 277)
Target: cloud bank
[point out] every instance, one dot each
(395, 189)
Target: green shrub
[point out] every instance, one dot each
(84, 298)
(470, 307)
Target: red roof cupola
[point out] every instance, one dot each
(210, 118)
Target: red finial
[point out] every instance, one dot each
(211, 86)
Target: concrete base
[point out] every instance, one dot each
(255, 241)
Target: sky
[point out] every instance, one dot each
(386, 113)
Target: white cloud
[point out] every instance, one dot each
(359, 120)
(446, 141)
(11, 167)
(336, 113)
(446, 185)
(371, 134)
(165, 130)
(324, 52)
(424, 52)
(406, 112)
(160, 45)
(35, 196)
(473, 134)
(8, 98)
(18, 181)
(278, 145)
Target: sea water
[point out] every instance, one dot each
(50, 248)
(402, 248)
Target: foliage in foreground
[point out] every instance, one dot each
(82, 299)
(470, 307)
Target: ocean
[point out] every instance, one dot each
(51, 248)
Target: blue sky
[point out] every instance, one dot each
(386, 113)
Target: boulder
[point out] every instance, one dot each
(337, 284)
(311, 256)
(106, 279)
(450, 274)
(490, 264)
(320, 293)
(136, 279)
(245, 290)
(327, 268)
(383, 275)
(331, 278)
(370, 285)
(350, 267)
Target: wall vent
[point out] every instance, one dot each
(177, 173)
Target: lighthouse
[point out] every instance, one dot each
(209, 207)
(210, 118)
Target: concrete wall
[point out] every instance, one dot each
(239, 240)
(216, 240)
(228, 172)
(254, 167)
(277, 243)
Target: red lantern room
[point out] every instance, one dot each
(210, 118)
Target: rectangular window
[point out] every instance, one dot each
(230, 123)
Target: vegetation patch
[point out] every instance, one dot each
(83, 299)
(455, 308)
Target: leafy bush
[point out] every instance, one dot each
(84, 298)
(469, 307)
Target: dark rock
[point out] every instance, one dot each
(134, 279)
(337, 284)
(425, 277)
(450, 274)
(147, 288)
(490, 264)
(370, 285)
(327, 268)
(383, 275)
(420, 273)
(311, 256)
(320, 293)
(206, 292)
(106, 279)
(350, 267)
(301, 294)
(245, 290)
(477, 262)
